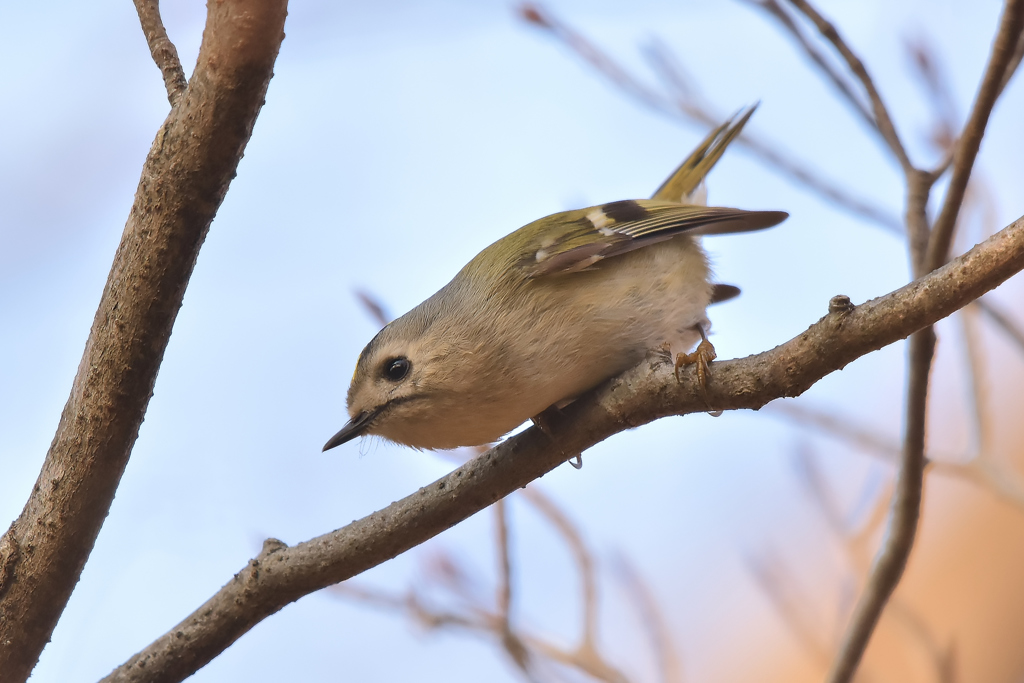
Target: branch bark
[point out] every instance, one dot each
(184, 180)
(160, 46)
(281, 574)
(882, 119)
(997, 73)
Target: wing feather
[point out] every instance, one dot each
(577, 240)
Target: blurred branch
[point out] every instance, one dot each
(527, 651)
(1012, 329)
(977, 394)
(373, 307)
(684, 103)
(856, 542)
(981, 469)
(282, 574)
(773, 8)
(997, 73)
(584, 562)
(776, 582)
(184, 179)
(670, 668)
(881, 119)
(162, 49)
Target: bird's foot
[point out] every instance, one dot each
(701, 357)
(547, 422)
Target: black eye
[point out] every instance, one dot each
(396, 369)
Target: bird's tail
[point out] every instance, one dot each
(686, 184)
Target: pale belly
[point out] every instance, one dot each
(563, 338)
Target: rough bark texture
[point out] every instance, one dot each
(185, 177)
(283, 574)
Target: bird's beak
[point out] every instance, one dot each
(355, 427)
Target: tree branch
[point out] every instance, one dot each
(881, 115)
(162, 49)
(683, 103)
(906, 510)
(184, 180)
(996, 76)
(281, 574)
(1012, 330)
(773, 8)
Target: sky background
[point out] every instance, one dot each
(399, 139)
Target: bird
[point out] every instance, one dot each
(550, 311)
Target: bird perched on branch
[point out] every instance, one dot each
(550, 311)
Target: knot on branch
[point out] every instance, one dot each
(839, 304)
(10, 551)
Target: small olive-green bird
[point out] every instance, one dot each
(548, 312)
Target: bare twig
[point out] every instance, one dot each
(670, 668)
(906, 509)
(281, 574)
(943, 659)
(831, 73)
(776, 583)
(684, 103)
(881, 115)
(996, 74)
(184, 180)
(374, 307)
(162, 49)
(935, 83)
(980, 469)
(584, 561)
(861, 436)
(504, 595)
(1010, 328)
(978, 389)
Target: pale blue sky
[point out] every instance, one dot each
(398, 139)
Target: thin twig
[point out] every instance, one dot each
(281, 574)
(977, 392)
(881, 114)
(777, 584)
(980, 469)
(831, 73)
(1010, 328)
(996, 74)
(584, 561)
(162, 49)
(670, 668)
(685, 104)
(906, 510)
(504, 593)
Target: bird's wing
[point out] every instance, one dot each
(576, 240)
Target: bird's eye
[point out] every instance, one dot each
(396, 369)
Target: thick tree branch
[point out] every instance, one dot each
(185, 177)
(281, 574)
(162, 49)
(992, 83)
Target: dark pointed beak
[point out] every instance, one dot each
(357, 426)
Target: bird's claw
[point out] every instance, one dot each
(701, 357)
